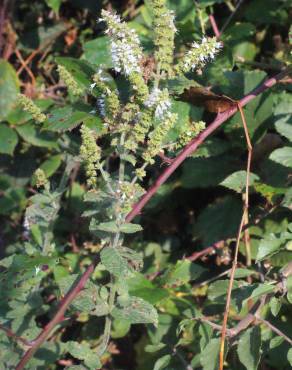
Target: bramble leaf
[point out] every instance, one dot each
(249, 348)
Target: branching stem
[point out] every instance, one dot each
(189, 149)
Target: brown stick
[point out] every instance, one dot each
(193, 145)
(244, 221)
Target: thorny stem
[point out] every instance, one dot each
(192, 146)
(214, 26)
(189, 149)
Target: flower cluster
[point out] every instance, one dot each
(157, 137)
(129, 194)
(69, 81)
(192, 131)
(159, 99)
(29, 106)
(199, 54)
(125, 45)
(108, 101)
(140, 130)
(164, 32)
(90, 153)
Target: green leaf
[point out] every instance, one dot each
(8, 139)
(51, 165)
(136, 310)
(9, 88)
(141, 287)
(183, 272)
(109, 227)
(82, 351)
(249, 348)
(32, 134)
(130, 228)
(41, 36)
(69, 117)
(97, 52)
(245, 50)
(269, 246)
(282, 156)
(218, 289)
(179, 84)
(284, 128)
(212, 147)
(210, 355)
(239, 31)
(275, 305)
(289, 356)
(276, 341)
(120, 328)
(162, 362)
(113, 261)
(54, 4)
(205, 172)
(218, 221)
(237, 181)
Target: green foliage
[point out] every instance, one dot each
(249, 348)
(100, 103)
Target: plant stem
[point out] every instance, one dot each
(189, 149)
(192, 146)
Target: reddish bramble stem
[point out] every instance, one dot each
(186, 152)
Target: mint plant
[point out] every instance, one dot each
(128, 118)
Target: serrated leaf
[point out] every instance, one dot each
(130, 228)
(210, 355)
(282, 156)
(237, 181)
(69, 117)
(97, 52)
(8, 139)
(249, 348)
(183, 272)
(162, 362)
(137, 311)
(109, 227)
(141, 287)
(113, 261)
(9, 88)
(82, 351)
(269, 246)
(179, 84)
(33, 135)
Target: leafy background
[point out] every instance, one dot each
(199, 206)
